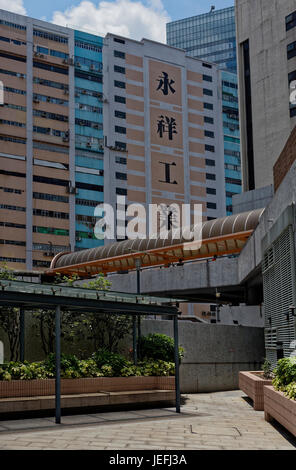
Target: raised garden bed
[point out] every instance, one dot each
(252, 383)
(46, 387)
(281, 408)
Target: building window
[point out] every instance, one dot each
(207, 78)
(211, 176)
(210, 162)
(291, 21)
(51, 37)
(120, 130)
(119, 99)
(119, 69)
(121, 160)
(119, 54)
(211, 191)
(120, 145)
(204, 64)
(120, 114)
(121, 191)
(49, 67)
(119, 84)
(209, 148)
(208, 120)
(207, 92)
(211, 205)
(209, 134)
(208, 106)
(121, 41)
(291, 50)
(121, 176)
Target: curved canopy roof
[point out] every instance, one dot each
(217, 237)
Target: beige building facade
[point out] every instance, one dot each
(162, 126)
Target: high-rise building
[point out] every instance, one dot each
(162, 126)
(266, 42)
(212, 37)
(51, 159)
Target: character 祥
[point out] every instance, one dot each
(166, 124)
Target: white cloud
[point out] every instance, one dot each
(129, 18)
(15, 6)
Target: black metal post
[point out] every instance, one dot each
(135, 340)
(58, 364)
(22, 334)
(177, 377)
(139, 316)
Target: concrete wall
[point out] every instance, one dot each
(250, 200)
(214, 354)
(245, 315)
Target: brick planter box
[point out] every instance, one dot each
(277, 406)
(252, 383)
(46, 387)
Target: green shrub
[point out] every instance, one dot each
(116, 361)
(105, 365)
(267, 369)
(285, 376)
(158, 347)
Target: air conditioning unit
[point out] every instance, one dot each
(65, 61)
(96, 126)
(84, 92)
(48, 99)
(77, 95)
(71, 189)
(78, 64)
(48, 253)
(88, 144)
(35, 100)
(65, 139)
(92, 67)
(78, 239)
(66, 92)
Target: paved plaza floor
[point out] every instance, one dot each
(209, 421)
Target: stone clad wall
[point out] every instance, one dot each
(214, 354)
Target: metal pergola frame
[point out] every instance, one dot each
(29, 296)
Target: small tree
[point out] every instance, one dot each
(10, 317)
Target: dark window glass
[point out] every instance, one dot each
(119, 84)
(209, 134)
(291, 50)
(209, 148)
(87, 76)
(50, 68)
(291, 21)
(119, 114)
(120, 130)
(119, 99)
(12, 57)
(92, 187)
(119, 69)
(121, 41)
(208, 106)
(119, 54)
(208, 120)
(211, 205)
(121, 176)
(207, 92)
(121, 191)
(207, 78)
(211, 191)
(204, 64)
(120, 145)
(210, 162)
(210, 176)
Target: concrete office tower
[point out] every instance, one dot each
(266, 43)
(162, 126)
(52, 105)
(212, 37)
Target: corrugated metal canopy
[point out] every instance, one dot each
(217, 237)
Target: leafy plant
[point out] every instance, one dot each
(115, 361)
(159, 347)
(267, 369)
(285, 376)
(10, 324)
(72, 367)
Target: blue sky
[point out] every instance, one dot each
(177, 9)
(130, 18)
